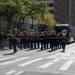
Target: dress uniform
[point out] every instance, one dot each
(31, 41)
(24, 40)
(10, 41)
(63, 42)
(21, 40)
(34, 40)
(28, 40)
(42, 40)
(14, 40)
(38, 40)
(52, 41)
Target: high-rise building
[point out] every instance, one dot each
(60, 10)
(72, 15)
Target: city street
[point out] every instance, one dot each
(36, 62)
(38, 31)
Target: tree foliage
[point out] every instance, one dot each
(47, 20)
(11, 8)
(20, 9)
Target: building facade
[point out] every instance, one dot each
(60, 10)
(72, 17)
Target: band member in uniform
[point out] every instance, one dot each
(38, 40)
(25, 40)
(10, 41)
(21, 40)
(31, 40)
(34, 40)
(2, 40)
(42, 40)
(52, 41)
(28, 40)
(63, 42)
(45, 40)
(14, 40)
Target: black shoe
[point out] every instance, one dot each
(14, 51)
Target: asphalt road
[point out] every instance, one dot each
(36, 62)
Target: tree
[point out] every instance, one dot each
(47, 20)
(11, 8)
(37, 8)
(20, 9)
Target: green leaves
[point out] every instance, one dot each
(22, 9)
(47, 19)
(12, 7)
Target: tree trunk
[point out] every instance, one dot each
(32, 24)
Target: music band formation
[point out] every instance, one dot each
(37, 40)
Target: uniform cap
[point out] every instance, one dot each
(15, 29)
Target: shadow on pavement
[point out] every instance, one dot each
(8, 54)
(62, 51)
(40, 50)
(50, 50)
(42, 73)
(3, 49)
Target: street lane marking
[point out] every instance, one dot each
(9, 62)
(19, 73)
(49, 64)
(56, 60)
(70, 47)
(10, 72)
(7, 58)
(67, 55)
(46, 65)
(29, 62)
(53, 56)
(66, 65)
